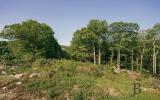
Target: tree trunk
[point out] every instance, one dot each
(94, 54)
(118, 58)
(99, 54)
(137, 63)
(132, 60)
(141, 62)
(111, 59)
(155, 69)
(154, 49)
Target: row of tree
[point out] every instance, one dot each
(120, 43)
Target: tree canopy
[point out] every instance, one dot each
(31, 39)
(122, 44)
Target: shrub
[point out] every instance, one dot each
(78, 96)
(50, 74)
(51, 94)
(156, 84)
(89, 70)
(39, 63)
(38, 84)
(27, 57)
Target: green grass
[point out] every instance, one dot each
(141, 96)
(81, 80)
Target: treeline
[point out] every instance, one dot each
(121, 44)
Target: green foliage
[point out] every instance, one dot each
(78, 96)
(81, 45)
(22, 69)
(121, 42)
(33, 85)
(156, 84)
(64, 76)
(51, 74)
(51, 94)
(40, 63)
(6, 56)
(86, 39)
(32, 38)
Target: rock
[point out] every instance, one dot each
(123, 70)
(67, 96)
(18, 83)
(34, 75)
(12, 68)
(133, 74)
(19, 75)
(145, 89)
(4, 73)
(116, 70)
(76, 87)
(149, 89)
(2, 67)
(113, 92)
(4, 88)
(11, 75)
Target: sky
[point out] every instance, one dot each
(66, 16)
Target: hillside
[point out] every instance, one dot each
(71, 80)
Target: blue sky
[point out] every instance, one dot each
(66, 16)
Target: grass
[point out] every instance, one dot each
(4, 79)
(80, 81)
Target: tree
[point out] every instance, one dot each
(122, 33)
(83, 44)
(132, 46)
(154, 37)
(88, 41)
(31, 37)
(141, 48)
(100, 30)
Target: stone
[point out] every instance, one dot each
(11, 75)
(19, 75)
(4, 88)
(145, 89)
(4, 73)
(116, 70)
(2, 67)
(18, 83)
(113, 92)
(12, 68)
(34, 75)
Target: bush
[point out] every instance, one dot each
(89, 70)
(156, 84)
(35, 85)
(40, 63)
(51, 74)
(78, 96)
(51, 94)
(27, 57)
(7, 58)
